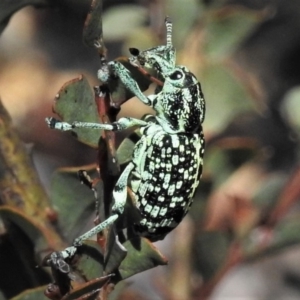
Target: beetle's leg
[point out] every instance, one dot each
(122, 124)
(126, 77)
(119, 195)
(100, 227)
(120, 190)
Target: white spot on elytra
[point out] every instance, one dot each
(165, 222)
(175, 141)
(163, 211)
(143, 189)
(148, 208)
(171, 189)
(155, 211)
(172, 204)
(179, 184)
(167, 178)
(157, 189)
(144, 201)
(161, 198)
(151, 166)
(175, 160)
(151, 188)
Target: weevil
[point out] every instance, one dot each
(166, 163)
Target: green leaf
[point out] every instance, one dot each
(227, 28)
(32, 294)
(92, 30)
(89, 267)
(114, 252)
(227, 97)
(2, 296)
(286, 233)
(210, 252)
(8, 8)
(124, 152)
(37, 235)
(142, 255)
(268, 195)
(76, 102)
(266, 242)
(90, 288)
(141, 38)
(183, 14)
(116, 294)
(129, 17)
(218, 166)
(20, 187)
(74, 202)
(291, 108)
(90, 264)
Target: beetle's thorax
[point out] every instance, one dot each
(180, 110)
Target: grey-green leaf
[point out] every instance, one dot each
(142, 255)
(74, 202)
(32, 294)
(92, 30)
(76, 102)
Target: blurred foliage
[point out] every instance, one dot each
(246, 206)
(7, 9)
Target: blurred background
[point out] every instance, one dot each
(243, 231)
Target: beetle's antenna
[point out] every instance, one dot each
(169, 32)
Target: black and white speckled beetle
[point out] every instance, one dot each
(167, 161)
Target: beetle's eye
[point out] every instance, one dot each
(176, 75)
(134, 51)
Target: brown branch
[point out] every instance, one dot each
(289, 196)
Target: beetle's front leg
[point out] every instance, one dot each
(126, 77)
(122, 124)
